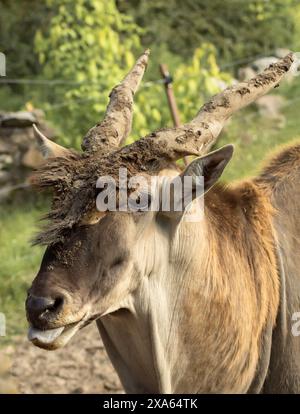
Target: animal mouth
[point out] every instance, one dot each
(55, 338)
(45, 336)
(52, 339)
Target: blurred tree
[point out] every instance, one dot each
(93, 44)
(237, 28)
(19, 20)
(89, 42)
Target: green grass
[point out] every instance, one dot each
(19, 260)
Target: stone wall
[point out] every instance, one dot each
(18, 149)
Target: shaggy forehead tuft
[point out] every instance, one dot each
(72, 180)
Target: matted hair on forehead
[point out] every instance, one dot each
(74, 194)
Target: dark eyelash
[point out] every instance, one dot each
(118, 262)
(149, 201)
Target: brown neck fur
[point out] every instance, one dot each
(240, 295)
(240, 224)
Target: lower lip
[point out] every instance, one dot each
(54, 338)
(46, 337)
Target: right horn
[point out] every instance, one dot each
(197, 136)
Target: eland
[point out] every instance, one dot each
(181, 306)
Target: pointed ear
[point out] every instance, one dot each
(210, 166)
(47, 147)
(198, 177)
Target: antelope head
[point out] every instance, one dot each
(95, 260)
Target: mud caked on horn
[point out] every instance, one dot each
(116, 125)
(198, 136)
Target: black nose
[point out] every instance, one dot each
(39, 308)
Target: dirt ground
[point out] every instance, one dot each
(81, 367)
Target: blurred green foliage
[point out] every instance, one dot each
(91, 43)
(87, 46)
(98, 53)
(237, 28)
(19, 21)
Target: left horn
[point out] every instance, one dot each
(116, 125)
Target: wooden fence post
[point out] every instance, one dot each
(171, 97)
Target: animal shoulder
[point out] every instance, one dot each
(282, 166)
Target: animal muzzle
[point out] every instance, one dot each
(52, 324)
(43, 312)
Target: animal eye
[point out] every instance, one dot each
(140, 203)
(118, 262)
